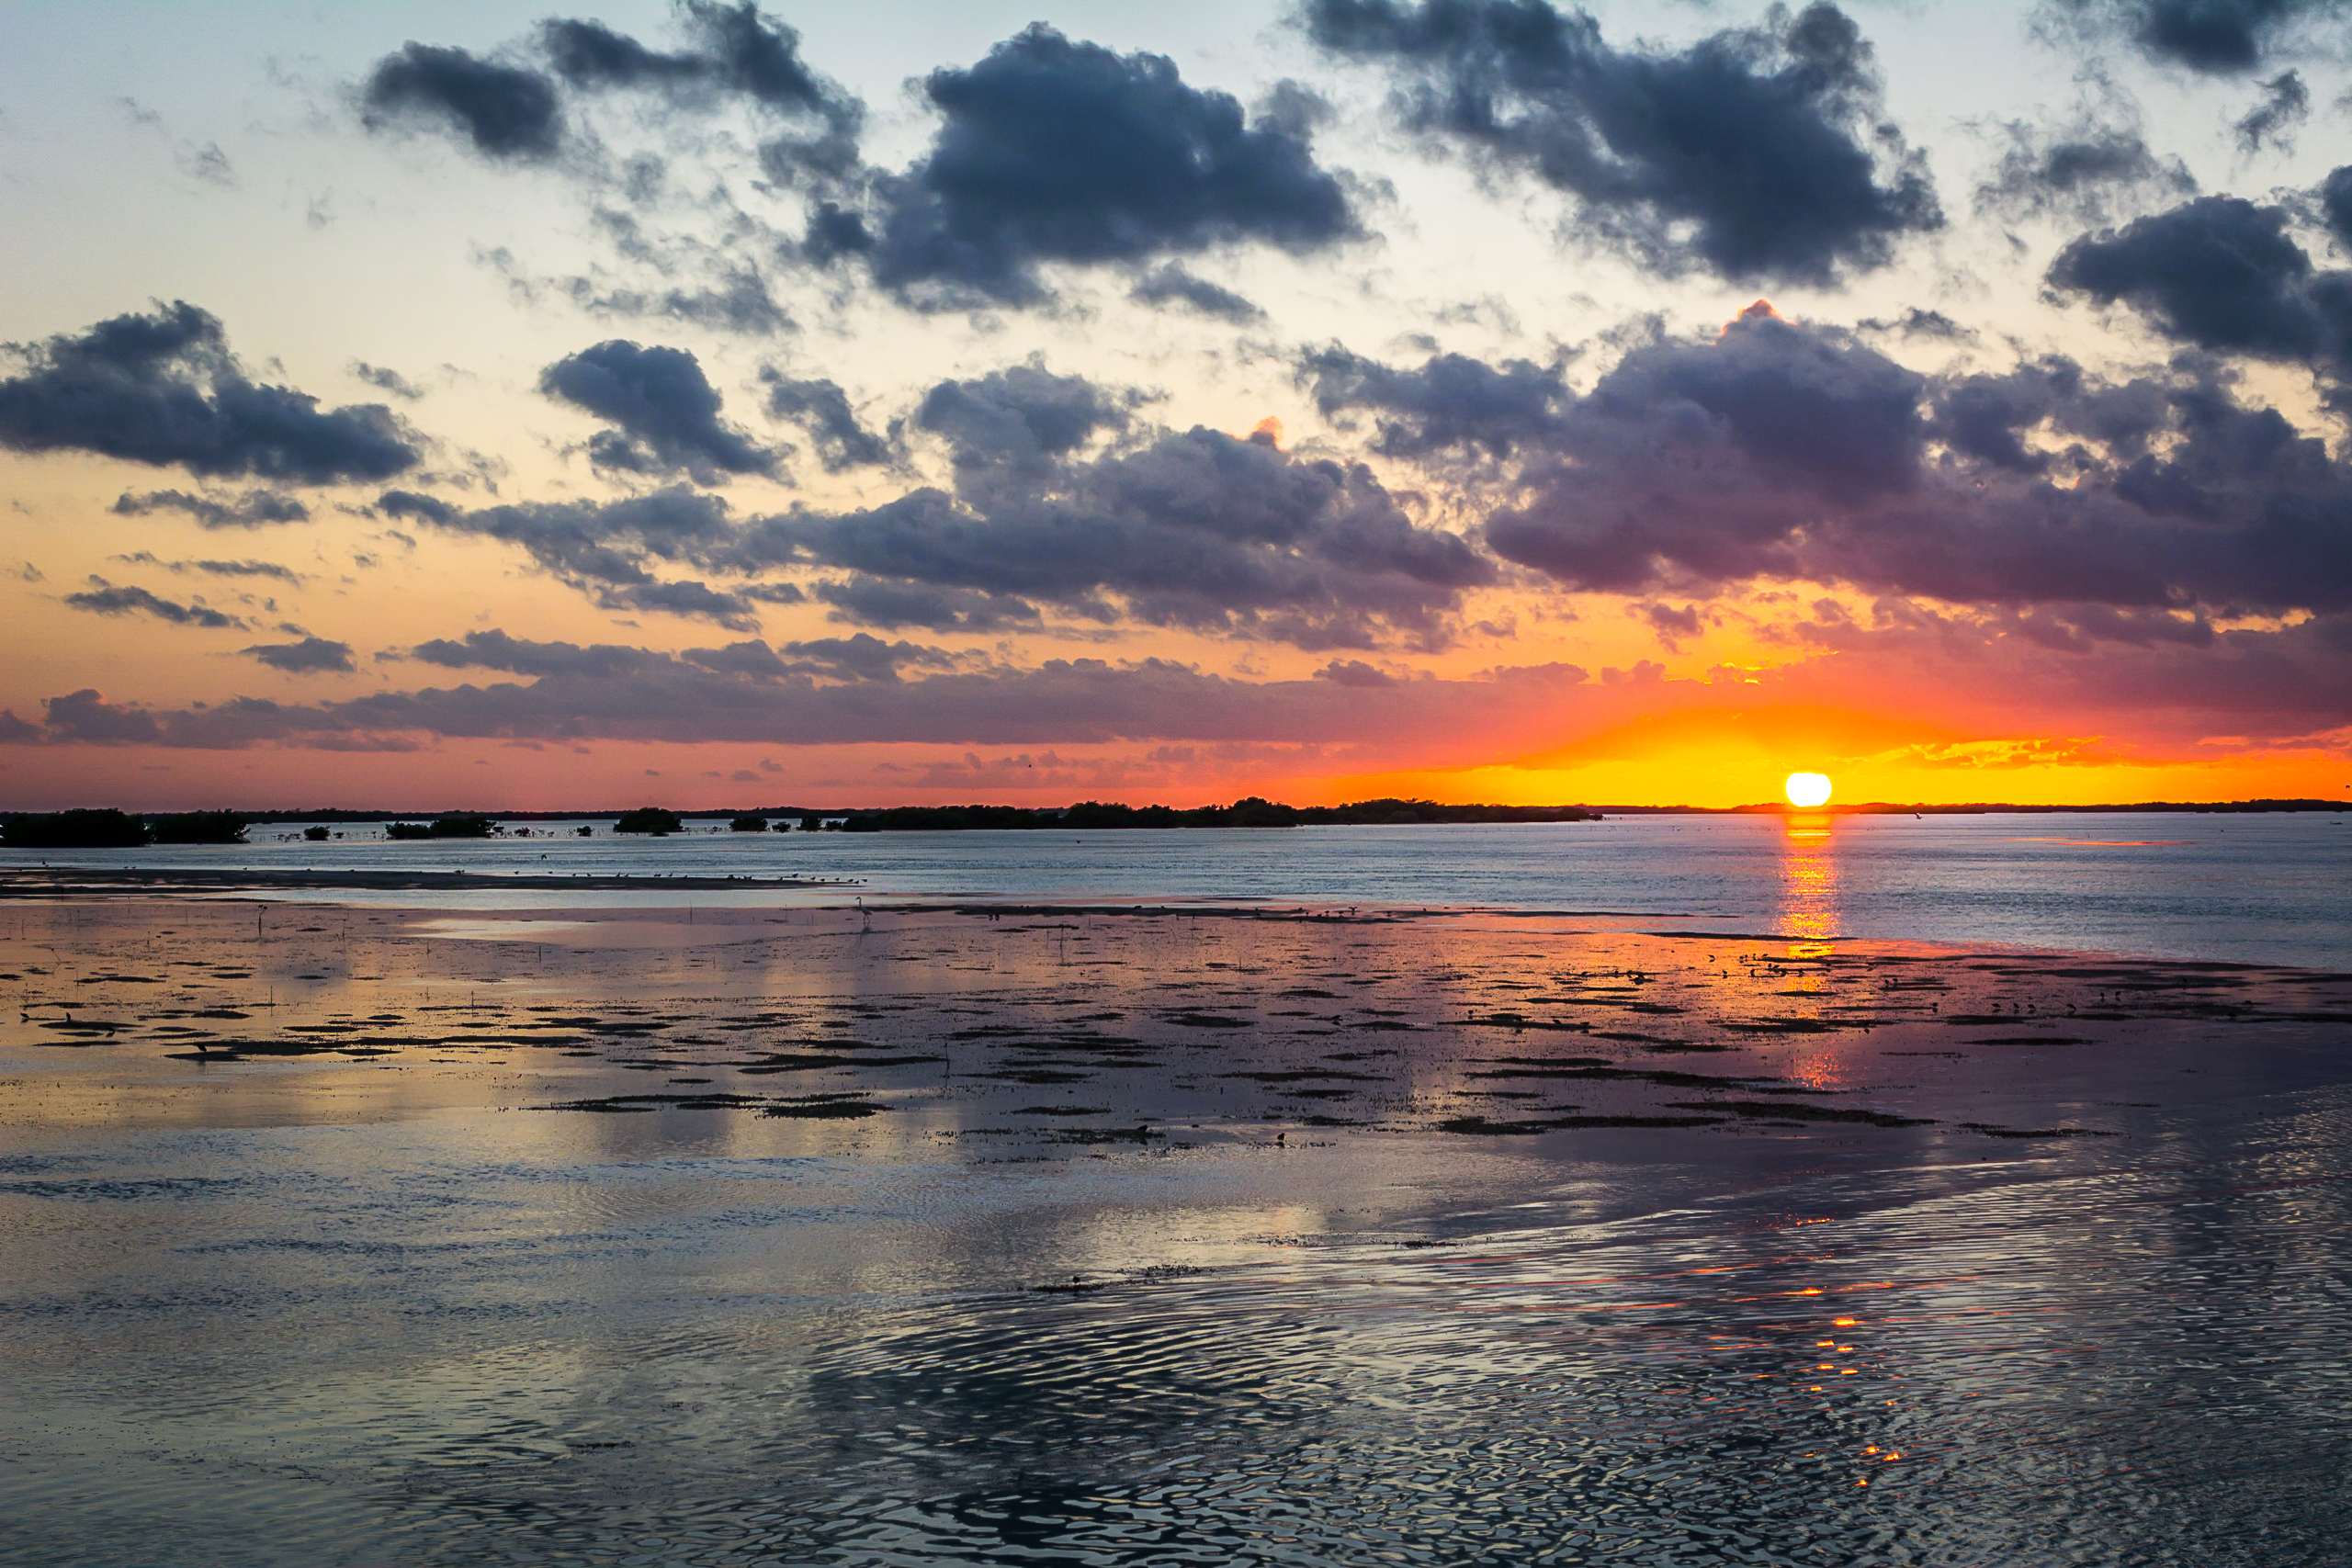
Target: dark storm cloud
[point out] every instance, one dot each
(506, 111)
(103, 598)
(2284, 104)
(1755, 153)
(1170, 284)
(1782, 452)
(822, 408)
(312, 656)
(2082, 172)
(164, 390)
(2214, 37)
(1054, 150)
(667, 410)
(254, 508)
(2220, 273)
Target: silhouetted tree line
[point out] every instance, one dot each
(1251, 811)
(450, 827)
(106, 829)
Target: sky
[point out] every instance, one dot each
(505, 407)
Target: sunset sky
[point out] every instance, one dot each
(485, 405)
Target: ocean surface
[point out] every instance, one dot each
(2273, 889)
(1203, 1264)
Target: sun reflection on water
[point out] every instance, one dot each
(1809, 876)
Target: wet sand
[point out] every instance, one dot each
(821, 1234)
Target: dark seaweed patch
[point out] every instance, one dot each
(1480, 1126)
(2033, 1040)
(1991, 1130)
(1765, 1109)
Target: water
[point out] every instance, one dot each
(359, 1308)
(372, 1344)
(2249, 888)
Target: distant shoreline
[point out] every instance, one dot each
(47, 881)
(1442, 816)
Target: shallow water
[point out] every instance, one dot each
(2258, 888)
(417, 1345)
(381, 1236)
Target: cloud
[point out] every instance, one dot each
(890, 605)
(1450, 402)
(103, 598)
(505, 111)
(516, 109)
(86, 715)
(1996, 673)
(860, 656)
(312, 656)
(733, 50)
(270, 569)
(2082, 172)
(1781, 452)
(1023, 417)
(1194, 529)
(164, 390)
(254, 508)
(1170, 284)
(2221, 273)
(756, 698)
(821, 408)
(386, 380)
(1755, 153)
(667, 411)
(2336, 204)
(602, 548)
(2212, 37)
(1671, 626)
(2272, 122)
(1051, 151)
(496, 651)
(1354, 672)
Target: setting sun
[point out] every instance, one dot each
(1808, 789)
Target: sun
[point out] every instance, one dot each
(1808, 790)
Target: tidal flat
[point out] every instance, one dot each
(1063, 1233)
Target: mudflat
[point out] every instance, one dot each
(1063, 1028)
